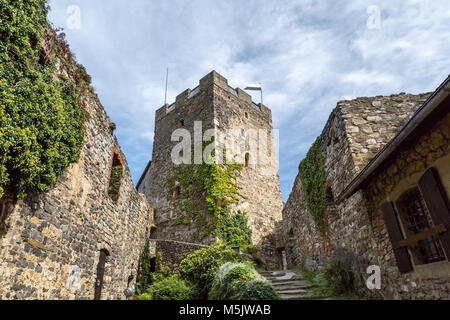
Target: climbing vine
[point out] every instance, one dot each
(115, 182)
(41, 124)
(315, 189)
(206, 192)
(233, 230)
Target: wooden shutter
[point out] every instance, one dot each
(437, 203)
(395, 235)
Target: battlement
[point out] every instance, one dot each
(207, 83)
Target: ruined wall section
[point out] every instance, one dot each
(366, 125)
(355, 132)
(50, 242)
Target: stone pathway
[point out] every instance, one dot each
(291, 285)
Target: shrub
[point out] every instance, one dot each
(171, 288)
(256, 289)
(200, 267)
(240, 281)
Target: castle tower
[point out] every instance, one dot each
(231, 114)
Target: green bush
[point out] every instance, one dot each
(200, 267)
(256, 289)
(165, 285)
(233, 230)
(171, 288)
(41, 124)
(240, 281)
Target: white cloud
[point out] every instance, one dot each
(364, 78)
(307, 54)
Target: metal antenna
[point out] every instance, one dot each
(167, 81)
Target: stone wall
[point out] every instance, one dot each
(169, 253)
(50, 242)
(354, 133)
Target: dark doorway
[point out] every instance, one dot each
(100, 274)
(152, 264)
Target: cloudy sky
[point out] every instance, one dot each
(307, 54)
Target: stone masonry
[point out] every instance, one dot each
(219, 107)
(50, 242)
(355, 132)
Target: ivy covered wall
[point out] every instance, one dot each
(41, 124)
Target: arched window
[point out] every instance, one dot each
(247, 159)
(416, 219)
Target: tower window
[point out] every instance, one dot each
(416, 219)
(181, 123)
(177, 193)
(247, 159)
(115, 179)
(246, 115)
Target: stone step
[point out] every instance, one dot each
(300, 296)
(281, 280)
(288, 286)
(292, 291)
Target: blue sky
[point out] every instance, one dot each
(307, 54)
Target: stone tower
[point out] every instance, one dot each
(221, 108)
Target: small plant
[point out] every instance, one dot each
(200, 267)
(143, 279)
(112, 126)
(340, 278)
(334, 280)
(114, 184)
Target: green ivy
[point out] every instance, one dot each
(314, 184)
(233, 230)
(207, 191)
(114, 183)
(41, 124)
(144, 276)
